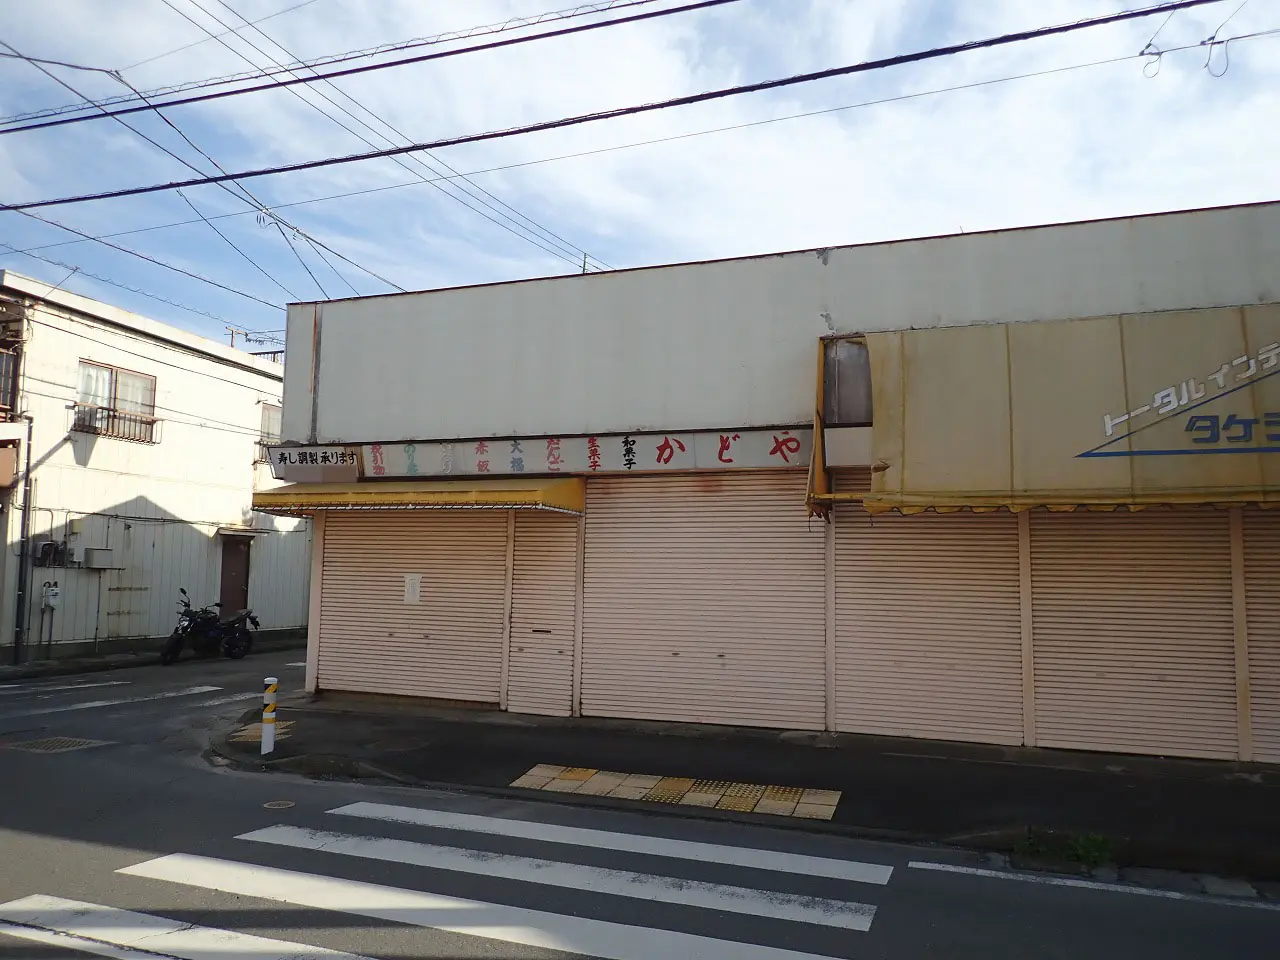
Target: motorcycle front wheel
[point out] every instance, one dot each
(171, 650)
(239, 646)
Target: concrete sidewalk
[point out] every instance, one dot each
(1057, 809)
(147, 656)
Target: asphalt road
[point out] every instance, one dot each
(136, 848)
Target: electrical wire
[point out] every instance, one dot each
(56, 63)
(301, 261)
(151, 259)
(898, 98)
(164, 149)
(513, 23)
(246, 366)
(369, 143)
(571, 252)
(351, 71)
(253, 263)
(240, 191)
(219, 425)
(551, 235)
(196, 43)
(114, 283)
(863, 67)
(336, 272)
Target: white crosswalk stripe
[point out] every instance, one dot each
(125, 935)
(122, 701)
(534, 928)
(622, 883)
(626, 842)
(461, 845)
(13, 689)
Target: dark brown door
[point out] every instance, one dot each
(235, 574)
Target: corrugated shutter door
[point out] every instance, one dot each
(1132, 621)
(1262, 594)
(928, 625)
(703, 601)
(540, 677)
(449, 645)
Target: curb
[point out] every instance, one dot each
(115, 661)
(993, 841)
(326, 765)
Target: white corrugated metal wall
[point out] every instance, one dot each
(543, 597)
(279, 574)
(704, 600)
(1133, 632)
(448, 645)
(1262, 597)
(928, 625)
(153, 558)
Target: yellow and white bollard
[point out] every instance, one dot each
(269, 687)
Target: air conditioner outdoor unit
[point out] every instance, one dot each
(13, 320)
(99, 558)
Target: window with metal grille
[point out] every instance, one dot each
(116, 403)
(846, 387)
(8, 381)
(269, 433)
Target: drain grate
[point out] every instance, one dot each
(56, 745)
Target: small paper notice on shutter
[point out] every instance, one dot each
(413, 588)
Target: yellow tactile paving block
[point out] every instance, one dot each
(669, 790)
(773, 799)
(783, 794)
(741, 797)
(252, 733)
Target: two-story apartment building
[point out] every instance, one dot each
(1010, 487)
(129, 452)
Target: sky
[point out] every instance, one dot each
(1077, 140)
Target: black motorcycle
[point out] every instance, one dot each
(208, 633)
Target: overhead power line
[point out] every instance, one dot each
(541, 237)
(154, 260)
(505, 26)
(863, 67)
(196, 43)
(236, 190)
(114, 283)
(166, 150)
(676, 137)
(352, 71)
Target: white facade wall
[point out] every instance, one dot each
(730, 343)
(157, 506)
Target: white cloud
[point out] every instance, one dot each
(1084, 143)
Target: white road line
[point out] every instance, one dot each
(229, 698)
(770, 860)
(1052, 881)
(94, 704)
(29, 688)
(533, 928)
(300, 663)
(572, 876)
(109, 932)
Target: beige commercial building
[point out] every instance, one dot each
(1007, 487)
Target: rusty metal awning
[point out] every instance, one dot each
(557, 495)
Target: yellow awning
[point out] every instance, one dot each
(1102, 501)
(559, 495)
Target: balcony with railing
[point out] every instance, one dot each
(111, 422)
